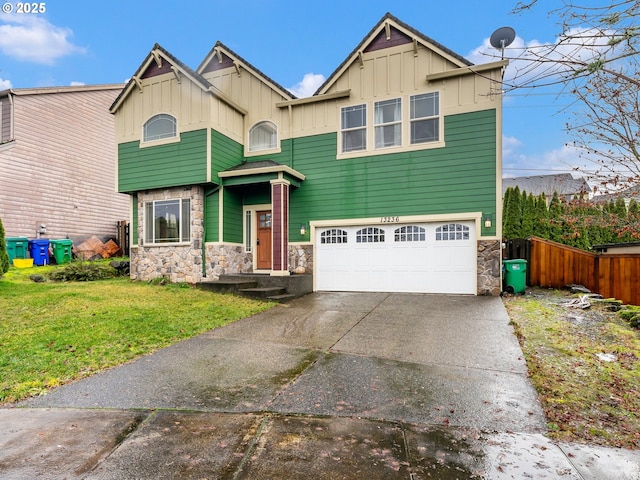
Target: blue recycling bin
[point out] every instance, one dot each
(39, 250)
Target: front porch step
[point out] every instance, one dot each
(274, 288)
(285, 297)
(231, 285)
(263, 292)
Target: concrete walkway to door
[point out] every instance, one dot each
(331, 385)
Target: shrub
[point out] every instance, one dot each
(81, 272)
(4, 256)
(631, 314)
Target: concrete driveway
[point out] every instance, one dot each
(331, 385)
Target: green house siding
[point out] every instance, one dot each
(225, 153)
(233, 220)
(211, 215)
(458, 178)
(170, 165)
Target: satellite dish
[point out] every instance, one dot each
(502, 37)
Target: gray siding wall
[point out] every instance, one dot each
(60, 170)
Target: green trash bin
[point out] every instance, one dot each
(17, 247)
(515, 273)
(61, 250)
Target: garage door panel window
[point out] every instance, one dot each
(370, 235)
(452, 231)
(410, 233)
(334, 235)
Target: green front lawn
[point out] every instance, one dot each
(53, 333)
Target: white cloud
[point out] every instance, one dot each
(33, 39)
(308, 85)
(535, 62)
(5, 84)
(77, 84)
(566, 159)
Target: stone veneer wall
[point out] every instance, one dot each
(301, 258)
(178, 262)
(489, 267)
(227, 259)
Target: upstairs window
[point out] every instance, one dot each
(425, 118)
(167, 221)
(353, 126)
(388, 123)
(263, 136)
(159, 127)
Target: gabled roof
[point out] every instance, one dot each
(68, 89)
(385, 24)
(563, 183)
(220, 51)
(154, 64)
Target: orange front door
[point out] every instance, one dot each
(263, 247)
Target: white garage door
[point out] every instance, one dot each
(426, 257)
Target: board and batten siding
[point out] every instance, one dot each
(161, 166)
(60, 169)
(194, 109)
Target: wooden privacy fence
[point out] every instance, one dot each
(555, 265)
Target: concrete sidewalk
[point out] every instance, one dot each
(332, 385)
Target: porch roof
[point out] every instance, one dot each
(258, 172)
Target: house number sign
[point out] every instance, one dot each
(389, 219)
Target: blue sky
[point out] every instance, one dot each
(82, 42)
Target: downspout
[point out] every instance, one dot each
(204, 229)
(291, 136)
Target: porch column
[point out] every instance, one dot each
(280, 226)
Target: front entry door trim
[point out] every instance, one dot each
(263, 240)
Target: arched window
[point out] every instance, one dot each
(333, 235)
(263, 136)
(159, 127)
(410, 233)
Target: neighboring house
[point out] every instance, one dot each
(612, 248)
(58, 163)
(627, 194)
(386, 179)
(567, 187)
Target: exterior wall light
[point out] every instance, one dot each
(487, 221)
(303, 229)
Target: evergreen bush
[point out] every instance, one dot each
(4, 256)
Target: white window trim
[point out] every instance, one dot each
(165, 244)
(406, 145)
(388, 124)
(161, 141)
(366, 128)
(266, 151)
(253, 234)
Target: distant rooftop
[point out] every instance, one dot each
(563, 183)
